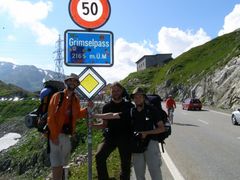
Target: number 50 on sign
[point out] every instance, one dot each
(89, 14)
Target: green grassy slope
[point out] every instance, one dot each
(9, 90)
(192, 65)
(16, 109)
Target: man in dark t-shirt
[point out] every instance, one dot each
(117, 134)
(147, 121)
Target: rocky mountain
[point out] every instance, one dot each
(210, 72)
(222, 87)
(25, 76)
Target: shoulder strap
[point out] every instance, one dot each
(131, 112)
(131, 115)
(60, 99)
(44, 104)
(43, 108)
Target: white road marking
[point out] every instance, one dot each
(225, 114)
(202, 121)
(171, 166)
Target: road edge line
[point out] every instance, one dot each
(171, 166)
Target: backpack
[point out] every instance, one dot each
(155, 101)
(38, 118)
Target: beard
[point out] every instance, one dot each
(117, 98)
(71, 87)
(139, 105)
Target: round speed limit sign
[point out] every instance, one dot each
(89, 14)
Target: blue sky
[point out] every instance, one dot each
(29, 30)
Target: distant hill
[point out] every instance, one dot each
(25, 76)
(11, 91)
(210, 72)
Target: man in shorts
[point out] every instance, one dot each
(62, 124)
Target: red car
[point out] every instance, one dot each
(192, 104)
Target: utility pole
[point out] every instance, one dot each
(59, 60)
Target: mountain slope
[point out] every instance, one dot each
(24, 76)
(198, 61)
(10, 90)
(194, 73)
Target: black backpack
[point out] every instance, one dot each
(38, 118)
(155, 101)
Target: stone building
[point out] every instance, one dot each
(153, 61)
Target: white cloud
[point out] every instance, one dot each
(171, 40)
(125, 56)
(27, 14)
(231, 21)
(8, 59)
(46, 66)
(11, 38)
(177, 41)
(45, 35)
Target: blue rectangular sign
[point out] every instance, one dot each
(84, 48)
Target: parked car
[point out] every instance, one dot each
(236, 117)
(192, 104)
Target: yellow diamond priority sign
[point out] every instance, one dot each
(90, 83)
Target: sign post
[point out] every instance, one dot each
(91, 83)
(90, 120)
(89, 48)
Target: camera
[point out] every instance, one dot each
(138, 145)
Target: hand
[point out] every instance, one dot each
(144, 134)
(90, 104)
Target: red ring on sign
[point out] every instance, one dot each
(89, 24)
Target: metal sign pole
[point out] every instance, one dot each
(90, 145)
(81, 18)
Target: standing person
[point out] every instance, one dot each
(62, 123)
(170, 104)
(146, 121)
(117, 134)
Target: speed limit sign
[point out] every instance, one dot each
(89, 14)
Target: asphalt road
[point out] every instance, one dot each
(204, 145)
